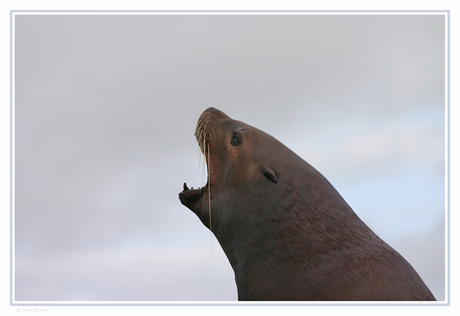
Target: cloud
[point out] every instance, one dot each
(139, 274)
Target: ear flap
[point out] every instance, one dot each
(269, 173)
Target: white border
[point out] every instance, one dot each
(445, 13)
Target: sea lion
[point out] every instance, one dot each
(286, 231)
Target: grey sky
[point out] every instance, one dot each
(105, 111)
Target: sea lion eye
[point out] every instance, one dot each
(235, 139)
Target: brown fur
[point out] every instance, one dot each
(286, 231)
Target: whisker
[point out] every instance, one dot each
(209, 188)
(203, 138)
(209, 195)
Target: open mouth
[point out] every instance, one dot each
(193, 199)
(192, 194)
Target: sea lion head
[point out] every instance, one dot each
(236, 157)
